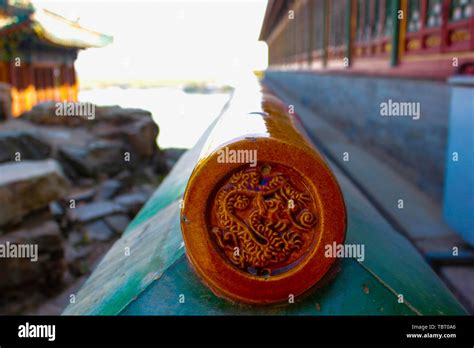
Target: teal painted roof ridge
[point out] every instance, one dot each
(391, 259)
(164, 205)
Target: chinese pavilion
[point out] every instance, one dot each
(37, 53)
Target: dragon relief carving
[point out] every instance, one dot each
(260, 220)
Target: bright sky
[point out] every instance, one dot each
(168, 40)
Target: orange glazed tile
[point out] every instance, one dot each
(260, 206)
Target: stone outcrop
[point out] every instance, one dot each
(99, 157)
(142, 137)
(113, 140)
(132, 202)
(94, 211)
(17, 144)
(73, 190)
(40, 267)
(45, 114)
(27, 186)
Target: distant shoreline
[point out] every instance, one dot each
(191, 86)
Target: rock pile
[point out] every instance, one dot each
(70, 186)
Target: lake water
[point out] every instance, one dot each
(182, 117)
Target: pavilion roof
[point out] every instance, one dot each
(53, 29)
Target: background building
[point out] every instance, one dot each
(416, 38)
(37, 54)
(343, 58)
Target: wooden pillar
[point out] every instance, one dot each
(310, 10)
(42, 83)
(472, 30)
(445, 4)
(38, 84)
(3, 72)
(14, 89)
(349, 30)
(57, 83)
(50, 83)
(30, 90)
(74, 87)
(396, 33)
(45, 83)
(402, 30)
(64, 81)
(326, 28)
(22, 88)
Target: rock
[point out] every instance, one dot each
(75, 237)
(82, 195)
(27, 186)
(172, 155)
(118, 223)
(56, 209)
(141, 135)
(86, 182)
(126, 178)
(58, 213)
(117, 116)
(159, 163)
(147, 189)
(109, 189)
(135, 126)
(94, 211)
(46, 272)
(132, 202)
(77, 259)
(98, 231)
(98, 147)
(45, 114)
(99, 157)
(106, 130)
(76, 158)
(28, 146)
(149, 175)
